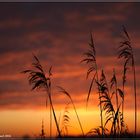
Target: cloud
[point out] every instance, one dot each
(59, 38)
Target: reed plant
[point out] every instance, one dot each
(125, 52)
(39, 80)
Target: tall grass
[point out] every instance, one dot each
(65, 121)
(97, 131)
(115, 89)
(39, 81)
(90, 60)
(125, 51)
(105, 97)
(68, 95)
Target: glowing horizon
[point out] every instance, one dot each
(59, 38)
(35, 117)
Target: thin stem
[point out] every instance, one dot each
(116, 86)
(123, 105)
(101, 112)
(117, 108)
(116, 95)
(77, 116)
(59, 123)
(135, 96)
(46, 101)
(59, 133)
(50, 121)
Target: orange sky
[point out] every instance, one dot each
(59, 38)
(28, 122)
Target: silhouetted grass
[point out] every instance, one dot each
(65, 121)
(68, 95)
(90, 60)
(38, 80)
(125, 51)
(116, 117)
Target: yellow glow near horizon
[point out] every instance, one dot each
(21, 122)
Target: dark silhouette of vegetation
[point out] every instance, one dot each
(114, 88)
(38, 80)
(111, 112)
(125, 51)
(65, 121)
(90, 59)
(68, 95)
(118, 126)
(97, 131)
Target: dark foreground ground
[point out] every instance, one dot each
(123, 137)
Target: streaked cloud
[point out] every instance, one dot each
(59, 34)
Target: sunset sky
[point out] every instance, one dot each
(59, 33)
